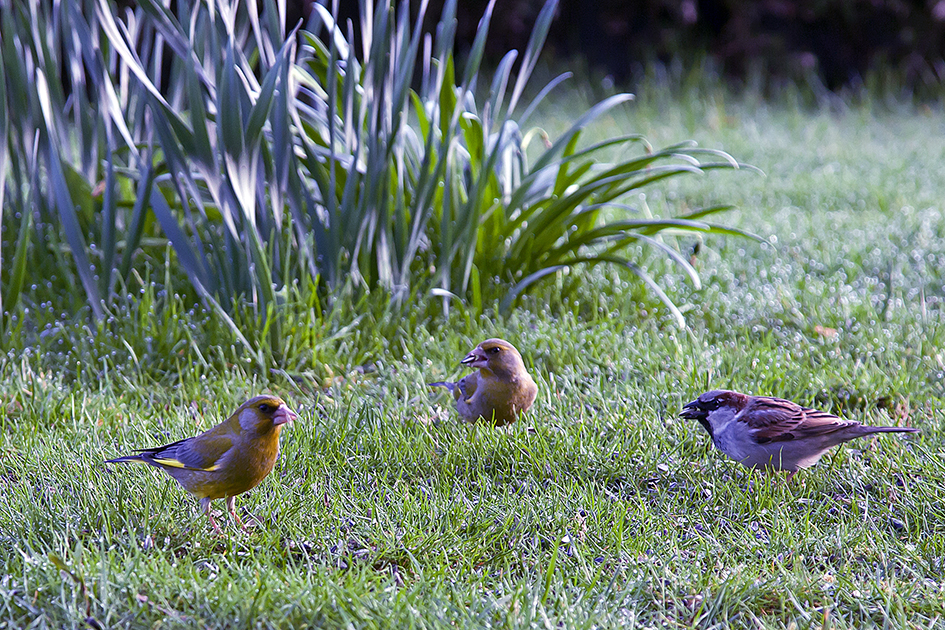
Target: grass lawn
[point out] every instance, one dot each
(601, 508)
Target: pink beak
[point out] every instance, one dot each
(283, 415)
(476, 359)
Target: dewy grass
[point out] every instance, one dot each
(601, 508)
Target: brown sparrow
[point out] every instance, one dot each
(773, 433)
(500, 391)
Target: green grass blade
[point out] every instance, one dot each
(70, 225)
(263, 105)
(640, 273)
(172, 32)
(713, 228)
(215, 305)
(524, 284)
(668, 303)
(62, 199)
(137, 220)
(535, 43)
(203, 149)
(704, 212)
(192, 265)
(230, 119)
(11, 296)
(474, 58)
(500, 81)
(4, 163)
(540, 97)
(674, 254)
(109, 217)
(133, 64)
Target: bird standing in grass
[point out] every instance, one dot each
(501, 389)
(227, 460)
(773, 433)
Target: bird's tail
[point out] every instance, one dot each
(127, 458)
(446, 384)
(891, 430)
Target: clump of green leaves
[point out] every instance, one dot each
(280, 166)
(459, 203)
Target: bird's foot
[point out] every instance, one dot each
(216, 528)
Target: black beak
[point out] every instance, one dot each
(693, 411)
(472, 357)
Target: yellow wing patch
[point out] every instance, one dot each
(176, 463)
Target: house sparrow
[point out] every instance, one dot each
(228, 459)
(764, 432)
(500, 391)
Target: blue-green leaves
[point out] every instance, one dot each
(268, 160)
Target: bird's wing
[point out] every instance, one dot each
(455, 388)
(202, 452)
(447, 384)
(467, 386)
(778, 420)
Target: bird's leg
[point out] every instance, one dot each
(205, 505)
(231, 506)
(787, 480)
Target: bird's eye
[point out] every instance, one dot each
(495, 350)
(265, 408)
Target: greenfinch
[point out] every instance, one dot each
(501, 389)
(227, 460)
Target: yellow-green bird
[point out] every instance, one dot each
(227, 460)
(500, 391)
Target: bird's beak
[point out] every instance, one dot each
(692, 411)
(476, 359)
(283, 415)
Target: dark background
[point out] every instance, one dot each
(839, 43)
